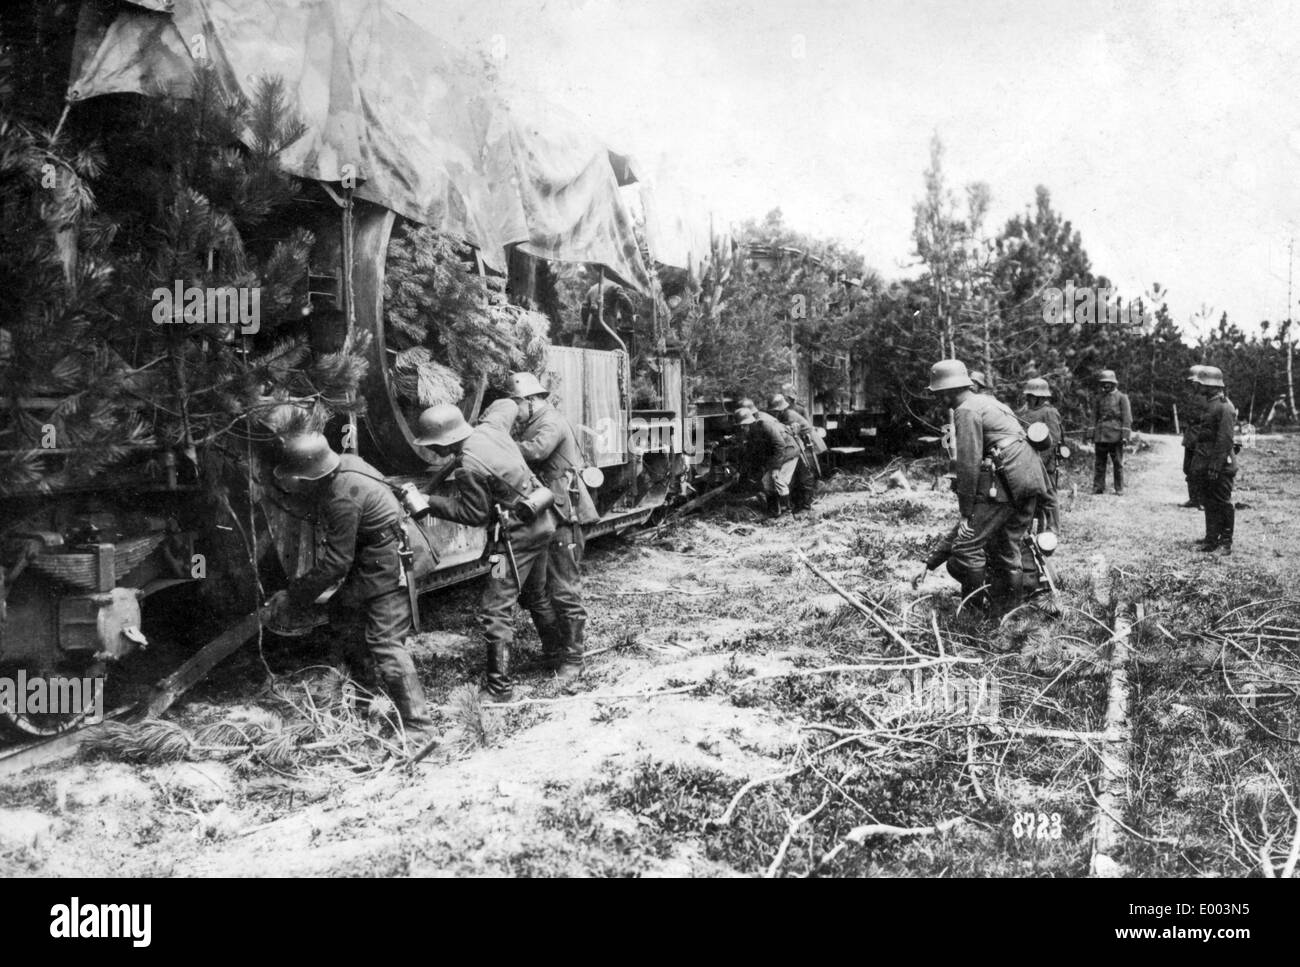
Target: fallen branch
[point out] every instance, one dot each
(748, 787)
(789, 836)
(1114, 757)
(856, 835)
(853, 600)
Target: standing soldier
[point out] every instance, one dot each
(979, 382)
(1215, 465)
(999, 480)
(1112, 426)
(771, 448)
(363, 534)
(1038, 408)
(492, 480)
(550, 447)
(1190, 429)
(803, 490)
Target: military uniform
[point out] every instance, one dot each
(1112, 420)
(1046, 413)
(1214, 467)
(548, 444)
(803, 487)
(1190, 432)
(773, 449)
(361, 518)
(491, 473)
(999, 481)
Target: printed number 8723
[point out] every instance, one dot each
(1037, 826)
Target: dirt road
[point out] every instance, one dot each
(596, 778)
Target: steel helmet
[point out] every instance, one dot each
(307, 456)
(948, 374)
(1195, 373)
(1037, 387)
(525, 385)
(442, 425)
(1107, 376)
(978, 378)
(1211, 376)
(777, 402)
(743, 416)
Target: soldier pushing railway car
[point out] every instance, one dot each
(494, 489)
(803, 487)
(362, 521)
(550, 447)
(770, 448)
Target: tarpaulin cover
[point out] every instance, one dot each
(419, 124)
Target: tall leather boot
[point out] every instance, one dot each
(1015, 589)
(773, 506)
(571, 662)
(408, 697)
(1119, 480)
(552, 637)
(973, 591)
(500, 687)
(783, 504)
(1099, 474)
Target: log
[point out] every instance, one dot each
(167, 691)
(1111, 784)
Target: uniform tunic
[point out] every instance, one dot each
(1000, 505)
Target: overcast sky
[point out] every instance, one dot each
(1169, 133)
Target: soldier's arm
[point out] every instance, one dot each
(341, 519)
(540, 438)
(1223, 437)
(970, 451)
(1054, 426)
(471, 504)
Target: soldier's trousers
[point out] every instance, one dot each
(497, 607)
(1220, 514)
(803, 486)
(387, 626)
(999, 529)
(1115, 453)
(1193, 480)
(553, 595)
(778, 481)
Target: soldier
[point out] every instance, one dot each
(979, 382)
(999, 481)
(1215, 465)
(1112, 427)
(788, 391)
(491, 480)
(1189, 439)
(1038, 408)
(803, 489)
(362, 521)
(771, 448)
(550, 447)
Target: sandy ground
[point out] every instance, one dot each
(534, 800)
